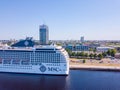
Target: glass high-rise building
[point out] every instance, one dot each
(82, 39)
(44, 34)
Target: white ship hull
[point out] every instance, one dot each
(44, 68)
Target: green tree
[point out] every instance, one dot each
(113, 52)
(9, 43)
(91, 55)
(73, 54)
(86, 55)
(82, 54)
(100, 56)
(94, 50)
(104, 54)
(109, 52)
(59, 44)
(78, 54)
(90, 49)
(95, 55)
(69, 52)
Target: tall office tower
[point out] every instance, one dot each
(44, 34)
(82, 39)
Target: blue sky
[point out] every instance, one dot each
(66, 19)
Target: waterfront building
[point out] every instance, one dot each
(103, 49)
(78, 47)
(94, 45)
(43, 34)
(82, 39)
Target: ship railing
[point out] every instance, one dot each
(15, 62)
(25, 62)
(6, 61)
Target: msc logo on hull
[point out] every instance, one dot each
(53, 69)
(42, 68)
(56, 69)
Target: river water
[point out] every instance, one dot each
(76, 80)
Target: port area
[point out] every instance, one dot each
(97, 65)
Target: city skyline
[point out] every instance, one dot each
(66, 19)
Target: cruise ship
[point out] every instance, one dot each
(25, 57)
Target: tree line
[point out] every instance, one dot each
(94, 55)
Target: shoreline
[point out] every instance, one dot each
(94, 68)
(95, 65)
